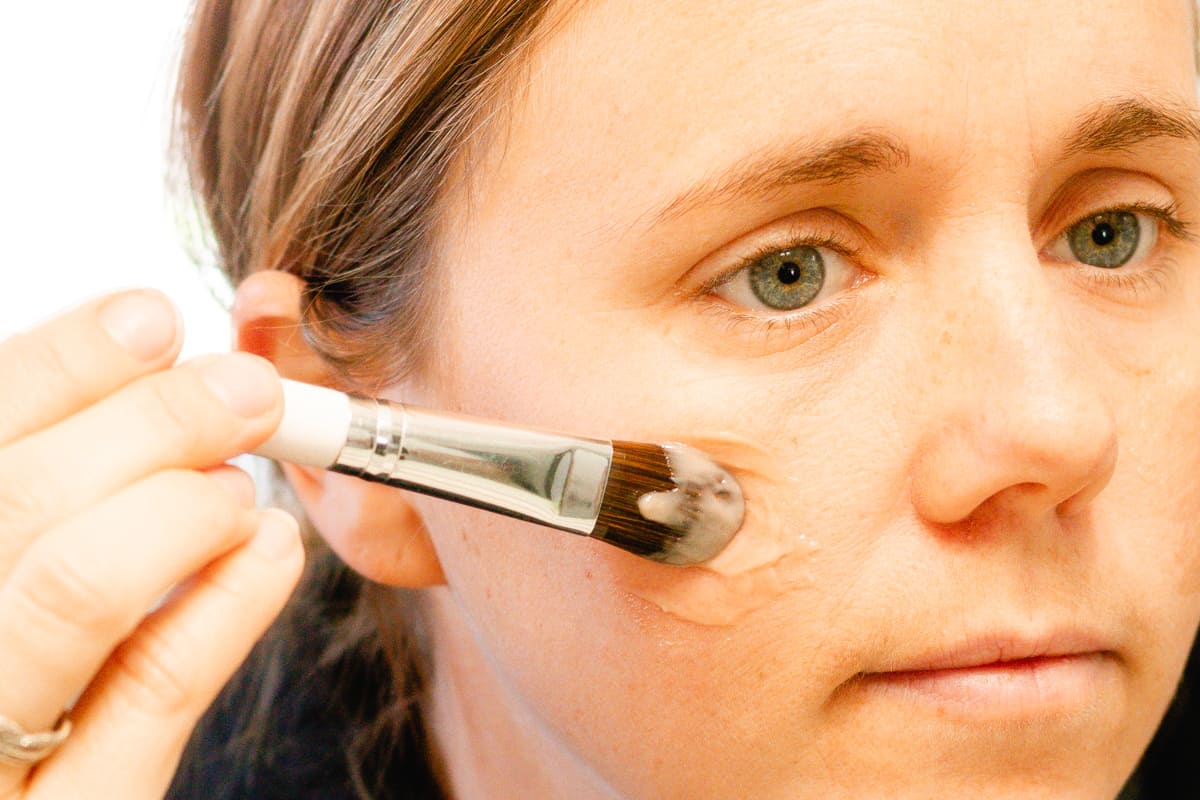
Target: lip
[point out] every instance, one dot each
(1001, 647)
(1003, 675)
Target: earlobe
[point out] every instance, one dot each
(372, 527)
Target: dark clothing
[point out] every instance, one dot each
(307, 759)
(311, 716)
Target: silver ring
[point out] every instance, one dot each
(22, 749)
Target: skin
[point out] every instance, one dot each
(984, 440)
(83, 553)
(970, 441)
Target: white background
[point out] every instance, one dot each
(83, 158)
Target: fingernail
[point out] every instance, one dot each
(142, 322)
(277, 534)
(246, 384)
(237, 483)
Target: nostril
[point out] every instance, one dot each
(1037, 457)
(1097, 478)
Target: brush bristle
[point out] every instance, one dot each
(637, 469)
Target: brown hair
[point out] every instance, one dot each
(318, 136)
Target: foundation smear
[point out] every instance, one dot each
(763, 561)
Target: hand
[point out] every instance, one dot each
(112, 491)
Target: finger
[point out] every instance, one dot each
(76, 358)
(234, 480)
(181, 418)
(83, 586)
(132, 723)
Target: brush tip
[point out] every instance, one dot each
(669, 503)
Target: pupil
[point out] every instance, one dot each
(789, 272)
(1103, 234)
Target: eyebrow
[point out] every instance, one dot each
(1123, 124)
(1115, 126)
(844, 159)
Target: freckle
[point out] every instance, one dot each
(947, 339)
(588, 575)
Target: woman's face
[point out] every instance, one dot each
(923, 276)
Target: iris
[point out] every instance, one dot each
(788, 279)
(1105, 240)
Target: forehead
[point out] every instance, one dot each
(644, 91)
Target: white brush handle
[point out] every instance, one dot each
(316, 423)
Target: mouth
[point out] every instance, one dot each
(1002, 675)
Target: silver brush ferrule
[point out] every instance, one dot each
(543, 477)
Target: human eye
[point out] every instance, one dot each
(789, 280)
(1112, 239)
(1120, 246)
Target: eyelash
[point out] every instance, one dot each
(793, 324)
(829, 240)
(790, 324)
(813, 320)
(1150, 278)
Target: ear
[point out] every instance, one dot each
(372, 527)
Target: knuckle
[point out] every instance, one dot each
(22, 506)
(54, 592)
(34, 357)
(158, 670)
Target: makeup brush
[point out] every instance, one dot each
(668, 503)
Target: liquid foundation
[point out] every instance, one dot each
(765, 559)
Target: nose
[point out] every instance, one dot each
(1015, 417)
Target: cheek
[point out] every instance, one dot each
(1154, 383)
(517, 581)
(1148, 518)
(1157, 486)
